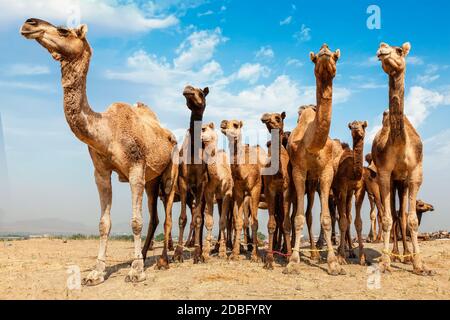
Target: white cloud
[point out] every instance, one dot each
(27, 86)
(110, 16)
(286, 21)
(294, 62)
(265, 52)
(26, 70)
(427, 78)
(304, 34)
(206, 13)
(252, 72)
(198, 48)
(372, 85)
(414, 60)
(420, 102)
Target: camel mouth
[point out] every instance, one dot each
(382, 55)
(31, 34)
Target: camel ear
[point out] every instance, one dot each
(82, 31)
(241, 124)
(206, 91)
(283, 115)
(350, 125)
(406, 48)
(224, 124)
(211, 125)
(337, 54)
(365, 124)
(313, 57)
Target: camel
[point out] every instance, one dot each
(397, 152)
(219, 185)
(246, 166)
(277, 187)
(129, 141)
(311, 154)
(192, 172)
(347, 183)
(373, 193)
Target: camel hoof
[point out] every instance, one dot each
(254, 258)
(352, 254)
(315, 255)
(268, 265)
(170, 246)
(362, 259)
(198, 256)
(292, 268)
(178, 255)
(408, 259)
(249, 248)
(341, 260)
(234, 257)
(162, 264)
(205, 257)
(320, 244)
(385, 264)
(94, 278)
(136, 273)
(335, 269)
(424, 272)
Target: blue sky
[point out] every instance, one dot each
(253, 55)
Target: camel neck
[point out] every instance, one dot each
(280, 145)
(79, 115)
(235, 146)
(396, 107)
(358, 157)
(322, 121)
(195, 131)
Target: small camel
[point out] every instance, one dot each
(129, 141)
(246, 165)
(347, 183)
(277, 187)
(397, 151)
(219, 185)
(311, 154)
(193, 172)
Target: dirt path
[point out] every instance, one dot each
(37, 269)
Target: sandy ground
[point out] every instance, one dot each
(37, 269)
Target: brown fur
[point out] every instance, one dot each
(397, 152)
(127, 140)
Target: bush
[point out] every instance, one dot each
(159, 237)
(261, 236)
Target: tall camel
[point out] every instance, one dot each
(347, 183)
(129, 141)
(397, 152)
(219, 186)
(277, 187)
(193, 171)
(311, 154)
(246, 165)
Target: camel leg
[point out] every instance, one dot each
(287, 221)
(299, 178)
(229, 222)
(137, 182)
(271, 226)
(403, 195)
(380, 213)
(395, 220)
(178, 254)
(373, 219)
(334, 268)
(359, 199)
(219, 238)
(209, 222)
(163, 261)
(247, 236)
(223, 224)
(198, 223)
(254, 202)
(103, 181)
(384, 180)
(151, 188)
(348, 210)
(341, 196)
(332, 208)
(310, 192)
(237, 217)
(415, 181)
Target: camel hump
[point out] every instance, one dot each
(144, 110)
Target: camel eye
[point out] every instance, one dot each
(235, 126)
(63, 32)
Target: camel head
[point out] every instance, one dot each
(231, 129)
(274, 120)
(393, 59)
(196, 99)
(325, 61)
(358, 129)
(64, 44)
(369, 158)
(285, 139)
(209, 135)
(422, 206)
